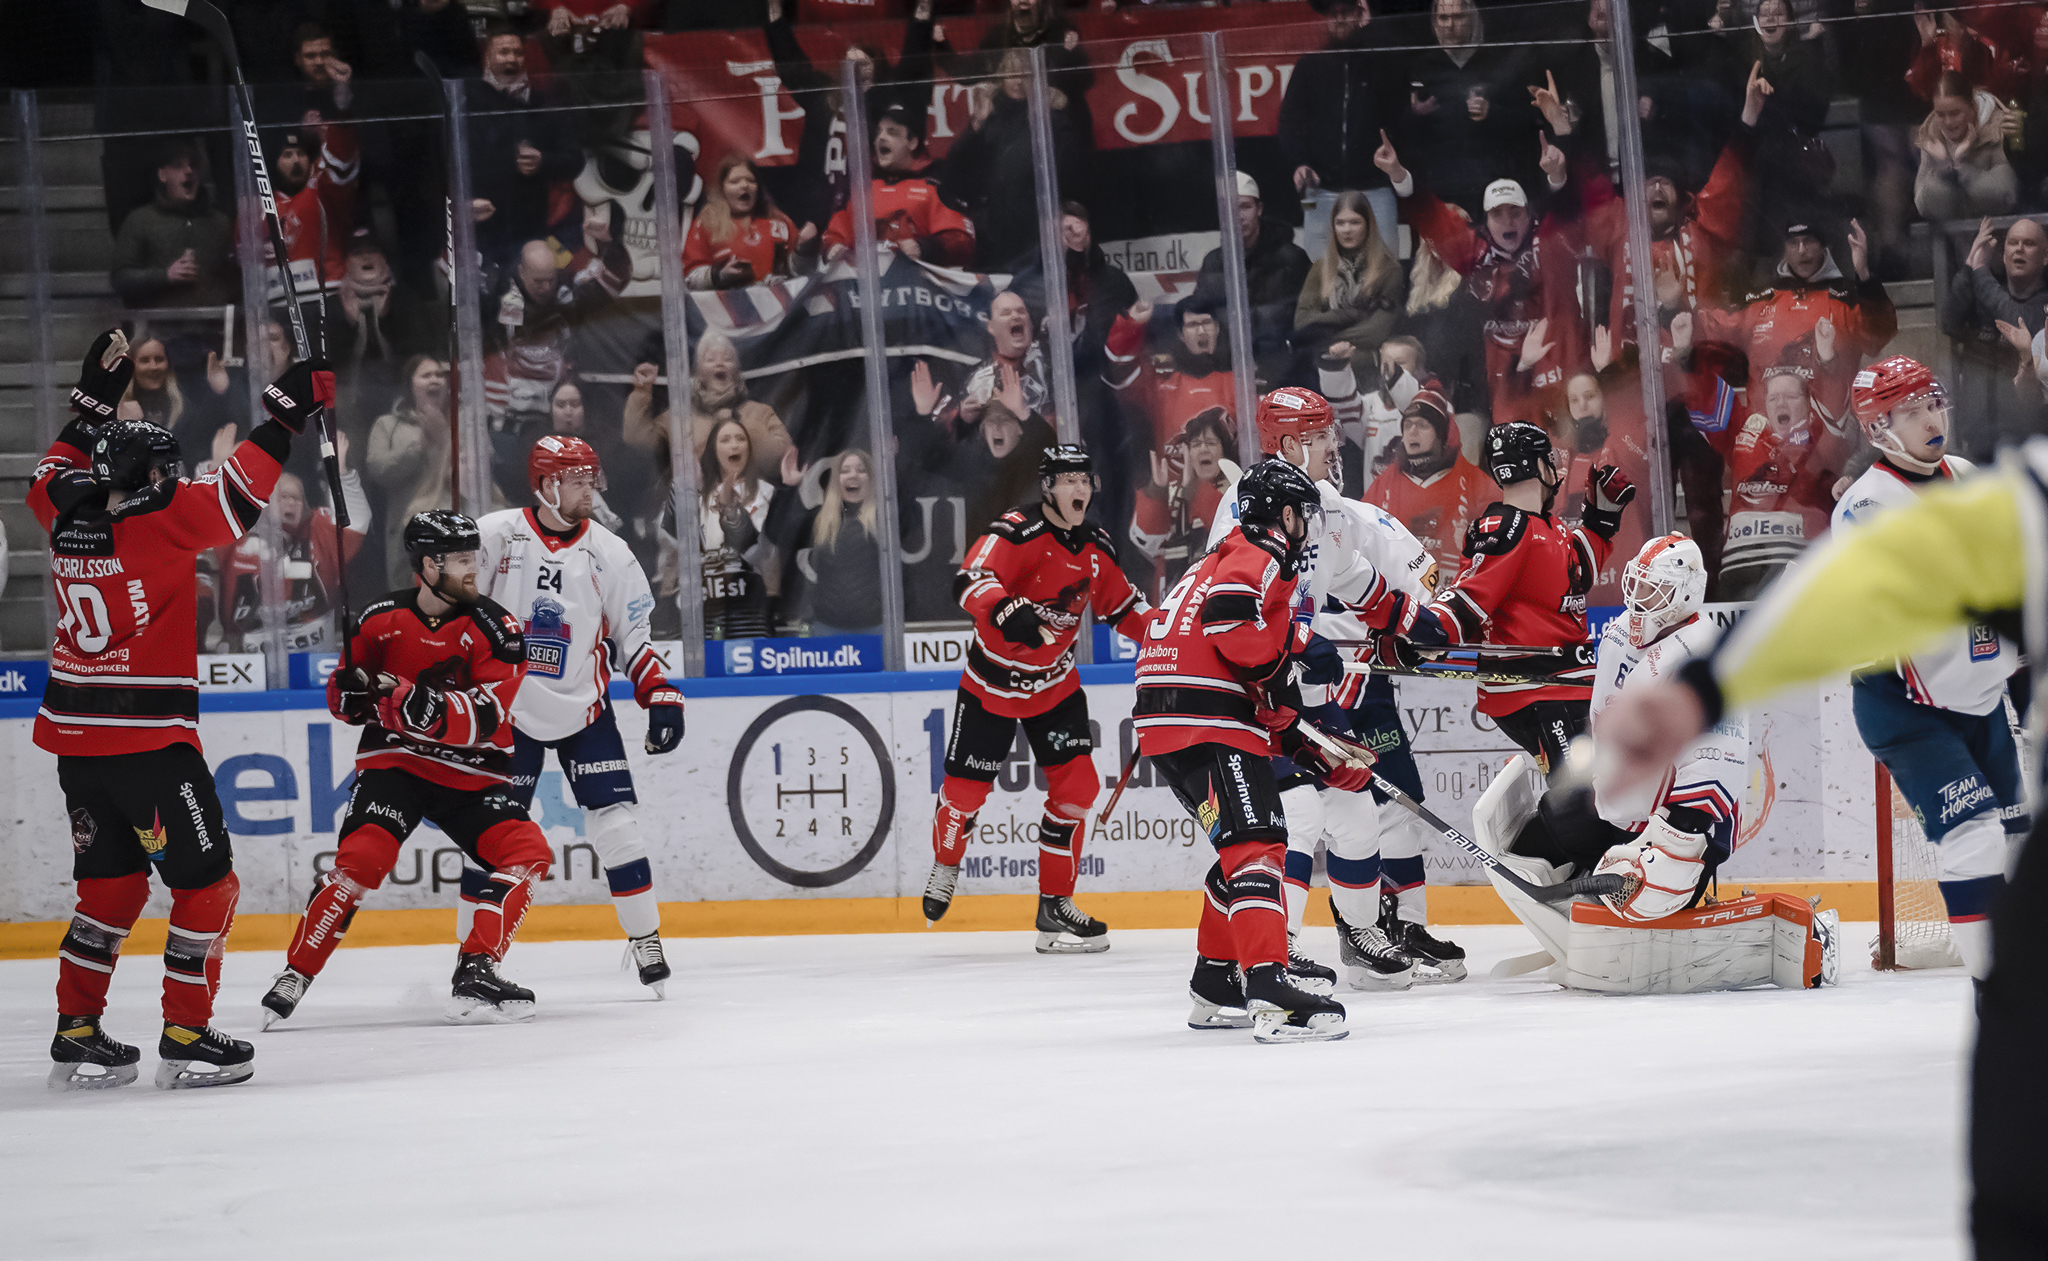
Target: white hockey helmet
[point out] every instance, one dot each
(1662, 587)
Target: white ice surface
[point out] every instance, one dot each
(959, 1096)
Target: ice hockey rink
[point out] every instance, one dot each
(959, 1096)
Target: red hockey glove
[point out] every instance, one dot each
(414, 711)
(352, 695)
(1394, 654)
(1345, 766)
(297, 397)
(1608, 491)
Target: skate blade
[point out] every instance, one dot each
(270, 1018)
(194, 1074)
(1270, 1025)
(1448, 972)
(1067, 944)
(90, 1076)
(475, 1011)
(1208, 1015)
(1361, 978)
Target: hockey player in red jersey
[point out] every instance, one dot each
(1026, 583)
(1525, 582)
(431, 676)
(121, 711)
(1212, 658)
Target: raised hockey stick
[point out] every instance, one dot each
(340, 506)
(1589, 886)
(210, 19)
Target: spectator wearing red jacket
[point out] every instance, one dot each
(1521, 269)
(1177, 385)
(313, 174)
(1429, 488)
(910, 214)
(739, 238)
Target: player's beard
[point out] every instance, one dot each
(463, 592)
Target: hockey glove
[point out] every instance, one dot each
(1022, 622)
(413, 710)
(664, 720)
(295, 399)
(102, 378)
(352, 695)
(1608, 491)
(501, 630)
(1339, 761)
(1320, 662)
(1394, 654)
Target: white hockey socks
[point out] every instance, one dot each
(615, 834)
(1303, 805)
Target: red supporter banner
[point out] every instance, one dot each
(1149, 83)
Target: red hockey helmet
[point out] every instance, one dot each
(555, 455)
(1291, 411)
(1889, 382)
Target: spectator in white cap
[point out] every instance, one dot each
(1274, 269)
(1521, 275)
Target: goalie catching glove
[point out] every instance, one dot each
(1663, 865)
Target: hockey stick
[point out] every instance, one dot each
(1591, 886)
(210, 19)
(1122, 781)
(340, 516)
(1461, 674)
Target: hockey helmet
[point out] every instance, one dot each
(1291, 412)
(1516, 451)
(1879, 390)
(1064, 457)
(128, 451)
(556, 455)
(1662, 587)
(1273, 485)
(437, 532)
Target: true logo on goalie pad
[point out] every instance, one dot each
(547, 639)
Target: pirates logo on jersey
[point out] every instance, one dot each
(547, 639)
(84, 830)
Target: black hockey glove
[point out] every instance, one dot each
(1608, 491)
(1320, 662)
(1394, 654)
(415, 710)
(1021, 622)
(102, 378)
(501, 630)
(352, 695)
(664, 720)
(299, 396)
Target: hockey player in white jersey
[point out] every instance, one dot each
(1666, 838)
(1367, 576)
(575, 585)
(1937, 720)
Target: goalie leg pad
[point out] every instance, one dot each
(1765, 939)
(1498, 817)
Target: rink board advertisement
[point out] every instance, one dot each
(829, 794)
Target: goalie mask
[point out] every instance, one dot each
(1904, 412)
(1662, 588)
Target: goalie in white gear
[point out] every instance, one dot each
(1367, 575)
(576, 588)
(1649, 938)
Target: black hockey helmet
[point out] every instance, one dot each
(128, 451)
(1065, 457)
(1516, 451)
(438, 531)
(1271, 485)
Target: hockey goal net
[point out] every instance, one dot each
(1912, 919)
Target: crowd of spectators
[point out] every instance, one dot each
(1436, 238)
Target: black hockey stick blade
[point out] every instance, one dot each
(206, 15)
(1583, 886)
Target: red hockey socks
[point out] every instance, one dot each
(1254, 871)
(200, 919)
(325, 923)
(1059, 854)
(107, 909)
(500, 907)
(953, 825)
(1212, 936)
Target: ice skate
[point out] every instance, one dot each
(201, 1056)
(1369, 960)
(1283, 1012)
(87, 1059)
(1436, 961)
(1218, 996)
(1306, 972)
(938, 892)
(1066, 929)
(645, 954)
(286, 990)
(480, 996)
